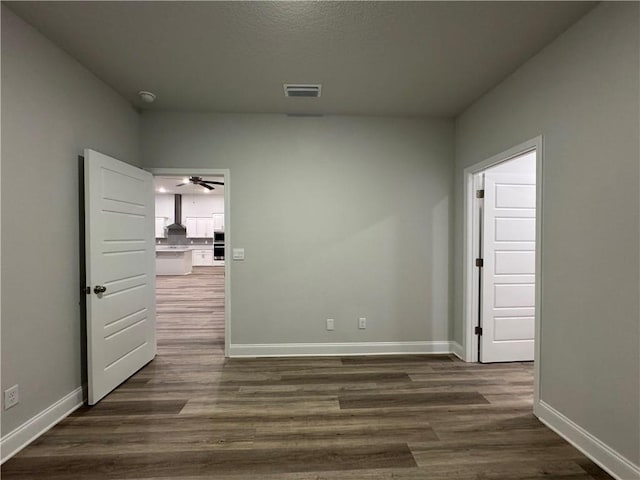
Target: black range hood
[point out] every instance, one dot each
(177, 228)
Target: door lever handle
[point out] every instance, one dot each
(99, 289)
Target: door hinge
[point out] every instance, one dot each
(480, 193)
(86, 290)
(478, 330)
(479, 262)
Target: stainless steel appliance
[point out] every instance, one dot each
(218, 245)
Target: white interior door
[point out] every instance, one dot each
(508, 273)
(120, 258)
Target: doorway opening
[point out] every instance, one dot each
(192, 267)
(502, 241)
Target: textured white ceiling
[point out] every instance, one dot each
(372, 58)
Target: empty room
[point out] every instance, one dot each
(320, 240)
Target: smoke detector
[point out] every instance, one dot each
(147, 97)
(302, 90)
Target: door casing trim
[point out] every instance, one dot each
(468, 274)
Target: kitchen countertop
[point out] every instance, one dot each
(165, 247)
(172, 249)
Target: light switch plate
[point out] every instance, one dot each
(238, 253)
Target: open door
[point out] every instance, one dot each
(508, 273)
(120, 279)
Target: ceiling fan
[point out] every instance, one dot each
(201, 182)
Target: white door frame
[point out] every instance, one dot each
(470, 273)
(214, 172)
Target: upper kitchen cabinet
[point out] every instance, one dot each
(190, 223)
(161, 223)
(200, 213)
(206, 225)
(218, 222)
(164, 213)
(199, 227)
(165, 205)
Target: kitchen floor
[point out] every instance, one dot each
(190, 313)
(191, 414)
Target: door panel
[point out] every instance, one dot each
(125, 340)
(514, 328)
(120, 256)
(508, 274)
(510, 296)
(515, 229)
(126, 264)
(509, 262)
(516, 196)
(124, 322)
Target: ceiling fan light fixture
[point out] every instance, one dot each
(199, 181)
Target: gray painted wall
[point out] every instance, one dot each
(582, 94)
(52, 108)
(340, 217)
(345, 217)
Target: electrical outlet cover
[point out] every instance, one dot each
(11, 397)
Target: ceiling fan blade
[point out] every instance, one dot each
(211, 181)
(181, 184)
(205, 185)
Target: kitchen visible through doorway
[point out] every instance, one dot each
(190, 263)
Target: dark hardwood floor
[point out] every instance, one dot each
(191, 414)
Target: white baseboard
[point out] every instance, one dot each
(458, 351)
(327, 349)
(26, 433)
(615, 464)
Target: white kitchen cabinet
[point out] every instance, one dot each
(205, 227)
(199, 227)
(165, 206)
(173, 260)
(190, 223)
(161, 222)
(218, 222)
(203, 258)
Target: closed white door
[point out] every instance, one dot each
(508, 273)
(120, 260)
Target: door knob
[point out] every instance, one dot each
(99, 289)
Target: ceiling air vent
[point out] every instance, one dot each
(298, 90)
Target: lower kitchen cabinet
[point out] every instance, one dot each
(203, 258)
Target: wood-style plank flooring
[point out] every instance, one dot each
(191, 414)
